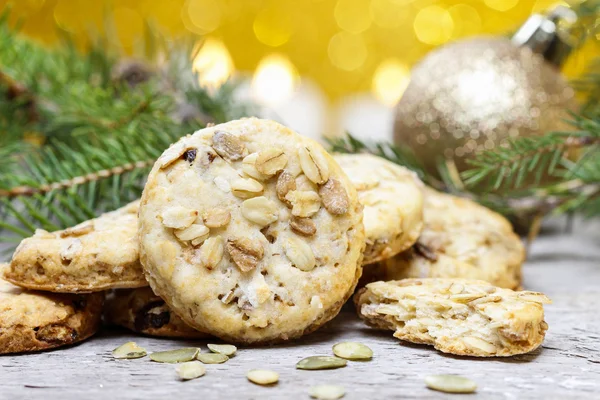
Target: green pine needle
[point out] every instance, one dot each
(99, 133)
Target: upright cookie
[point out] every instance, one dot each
(141, 311)
(251, 232)
(461, 239)
(393, 203)
(98, 254)
(31, 321)
(458, 316)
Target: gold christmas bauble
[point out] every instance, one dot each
(474, 95)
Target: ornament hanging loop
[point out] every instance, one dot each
(544, 34)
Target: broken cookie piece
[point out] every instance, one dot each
(457, 316)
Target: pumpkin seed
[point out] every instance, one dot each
(212, 358)
(262, 376)
(129, 350)
(327, 392)
(450, 383)
(190, 370)
(352, 351)
(225, 349)
(175, 356)
(321, 362)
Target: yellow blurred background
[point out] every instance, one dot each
(344, 46)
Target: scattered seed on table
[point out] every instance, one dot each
(321, 362)
(212, 358)
(262, 376)
(226, 349)
(352, 351)
(190, 370)
(450, 383)
(175, 356)
(327, 392)
(129, 350)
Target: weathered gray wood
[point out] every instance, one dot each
(565, 266)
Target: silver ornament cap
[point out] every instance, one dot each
(548, 34)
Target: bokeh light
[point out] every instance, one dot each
(201, 16)
(501, 5)
(213, 63)
(543, 5)
(347, 51)
(129, 25)
(67, 15)
(388, 13)
(467, 21)
(273, 25)
(353, 15)
(338, 44)
(34, 4)
(274, 80)
(433, 25)
(390, 80)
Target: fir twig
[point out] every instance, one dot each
(397, 154)
(525, 156)
(96, 133)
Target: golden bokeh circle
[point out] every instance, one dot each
(273, 26)
(433, 25)
(201, 16)
(347, 51)
(353, 16)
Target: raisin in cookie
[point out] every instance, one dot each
(461, 239)
(98, 254)
(31, 321)
(251, 232)
(393, 203)
(141, 311)
(458, 316)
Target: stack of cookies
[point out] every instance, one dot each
(254, 234)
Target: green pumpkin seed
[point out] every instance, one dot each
(352, 351)
(450, 383)
(321, 362)
(262, 376)
(226, 349)
(212, 358)
(175, 356)
(190, 370)
(129, 350)
(327, 392)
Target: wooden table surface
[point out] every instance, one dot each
(564, 266)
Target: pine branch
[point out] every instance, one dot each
(97, 131)
(396, 154)
(508, 166)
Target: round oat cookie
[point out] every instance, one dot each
(461, 239)
(141, 311)
(98, 254)
(32, 321)
(393, 203)
(251, 232)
